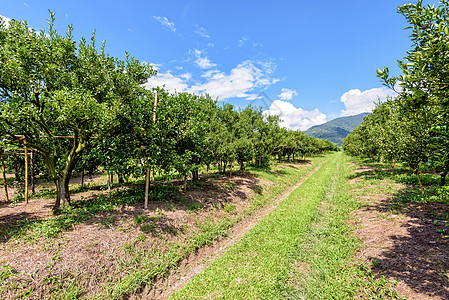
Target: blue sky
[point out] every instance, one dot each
(308, 61)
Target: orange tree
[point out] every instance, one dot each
(50, 87)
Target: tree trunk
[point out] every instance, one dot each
(185, 183)
(62, 190)
(62, 180)
(108, 175)
(420, 183)
(195, 176)
(82, 177)
(443, 178)
(242, 166)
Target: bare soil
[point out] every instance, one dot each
(403, 243)
(96, 252)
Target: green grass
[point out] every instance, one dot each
(155, 264)
(143, 266)
(324, 267)
(259, 265)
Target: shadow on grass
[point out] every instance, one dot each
(419, 258)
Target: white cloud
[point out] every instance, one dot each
(171, 82)
(166, 23)
(242, 41)
(243, 79)
(186, 76)
(287, 94)
(295, 118)
(6, 20)
(202, 61)
(357, 102)
(202, 32)
(154, 65)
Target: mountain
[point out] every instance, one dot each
(337, 129)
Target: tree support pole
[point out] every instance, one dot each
(26, 171)
(32, 172)
(147, 187)
(5, 185)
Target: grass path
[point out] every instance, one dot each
(259, 265)
(241, 229)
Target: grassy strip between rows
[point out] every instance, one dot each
(158, 263)
(325, 267)
(259, 265)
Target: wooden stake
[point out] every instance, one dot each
(154, 108)
(32, 172)
(26, 171)
(147, 187)
(4, 179)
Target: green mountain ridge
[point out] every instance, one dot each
(337, 129)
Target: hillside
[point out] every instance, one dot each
(337, 129)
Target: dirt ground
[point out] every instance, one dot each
(91, 252)
(404, 243)
(88, 252)
(407, 245)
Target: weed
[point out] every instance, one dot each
(148, 227)
(258, 190)
(159, 213)
(229, 185)
(140, 219)
(193, 207)
(229, 208)
(128, 247)
(171, 230)
(141, 237)
(6, 271)
(108, 222)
